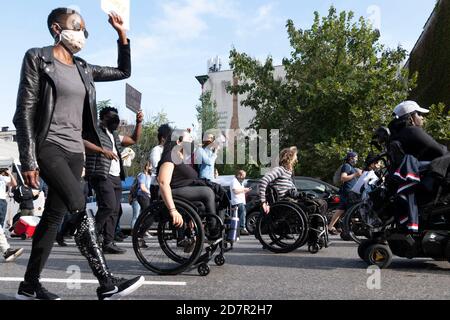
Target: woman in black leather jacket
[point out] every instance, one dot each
(56, 110)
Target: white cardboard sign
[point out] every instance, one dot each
(121, 7)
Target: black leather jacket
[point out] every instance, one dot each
(37, 96)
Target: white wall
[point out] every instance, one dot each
(217, 84)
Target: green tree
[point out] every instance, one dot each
(207, 112)
(103, 104)
(341, 83)
(437, 123)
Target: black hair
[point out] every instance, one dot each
(370, 159)
(107, 110)
(164, 132)
(399, 124)
(58, 15)
(169, 143)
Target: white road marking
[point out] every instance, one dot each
(76, 281)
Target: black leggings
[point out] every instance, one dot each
(198, 193)
(62, 170)
(144, 202)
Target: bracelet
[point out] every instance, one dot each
(173, 209)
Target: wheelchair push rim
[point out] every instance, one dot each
(164, 249)
(284, 229)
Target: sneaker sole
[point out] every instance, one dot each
(128, 290)
(15, 256)
(26, 298)
(114, 253)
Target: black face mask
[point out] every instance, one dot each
(113, 123)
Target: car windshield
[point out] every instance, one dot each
(309, 185)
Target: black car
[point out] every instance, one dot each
(309, 185)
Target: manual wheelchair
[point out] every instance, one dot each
(167, 250)
(291, 224)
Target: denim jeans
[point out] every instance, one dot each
(3, 208)
(3, 242)
(136, 212)
(242, 212)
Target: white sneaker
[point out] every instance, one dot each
(11, 255)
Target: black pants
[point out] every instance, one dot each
(203, 194)
(61, 171)
(109, 194)
(144, 202)
(154, 193)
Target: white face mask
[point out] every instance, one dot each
(73, 40)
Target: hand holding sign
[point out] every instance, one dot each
(117, 22)
(133, 99)
(121, 8)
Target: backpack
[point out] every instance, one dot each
(134, 188)
(23, 193)
(337, 176)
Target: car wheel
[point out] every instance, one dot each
(252, 218)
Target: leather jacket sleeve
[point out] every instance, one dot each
(27, 104)
(123, 70)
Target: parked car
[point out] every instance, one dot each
(309, 185)
(127, 215)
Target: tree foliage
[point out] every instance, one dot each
(341, 83)
(437, 123)
(207, 112)
(148, 141)
(103, 104)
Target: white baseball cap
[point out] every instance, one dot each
(408, 107)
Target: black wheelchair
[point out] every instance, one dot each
(390, 237)
(291, 224)
(167, 250)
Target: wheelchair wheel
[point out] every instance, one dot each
(220, 260)
(363, 246)
(161, 247)
(354, 225)
(284, 229)
(203, 269)
(379, 255)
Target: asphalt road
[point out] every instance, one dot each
(249, 274)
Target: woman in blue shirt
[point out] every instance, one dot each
(144, 184)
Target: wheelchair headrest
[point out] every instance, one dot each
(381, 138)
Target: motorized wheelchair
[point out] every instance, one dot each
(167, 250)
(388, 236)
(290, 224)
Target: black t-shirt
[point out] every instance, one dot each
(183, 174)
(416, 142)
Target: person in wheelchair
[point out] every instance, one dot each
(422, 156)
(177, 178)
(407, 128)
(281, 179)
